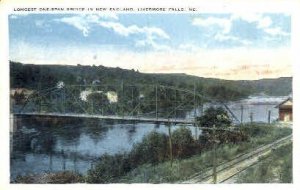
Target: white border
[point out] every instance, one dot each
(209, 6)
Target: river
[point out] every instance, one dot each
(51, 144)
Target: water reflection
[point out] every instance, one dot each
(53, 144)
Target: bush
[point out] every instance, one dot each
(65, 177)
(183, 143)
(257, 130)
(152, 149)
(219, 118)
(214, 116)
(109, 168)
(232, 136)
(24, 179)
(55, 178)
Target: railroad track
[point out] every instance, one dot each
(238, 164)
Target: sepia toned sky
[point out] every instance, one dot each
(227, 46)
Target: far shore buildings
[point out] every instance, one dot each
(285, 110)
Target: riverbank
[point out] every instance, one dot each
(182, 169)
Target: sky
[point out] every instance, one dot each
(227, 46)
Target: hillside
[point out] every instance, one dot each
(42, 76)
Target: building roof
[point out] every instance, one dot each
(283, 103)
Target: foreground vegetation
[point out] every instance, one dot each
(182, 169)
(150, 162)
(276, 168)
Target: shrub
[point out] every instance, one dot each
(152, 149)
(183, 143)
(109, 168)
(214, 116)
(55, 178)
(24, 179)
(65, 177)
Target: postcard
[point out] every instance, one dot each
(123, 93)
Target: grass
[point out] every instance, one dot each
(182, 169)
(56, 178)
(277, 168)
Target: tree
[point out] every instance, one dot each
(183, 143)
(214, 116)
(217, 117)
(98, 102)
(19, 98)
(153, 149)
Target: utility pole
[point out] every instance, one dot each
(50, 162)
(122, 95)
(195, 105)
(251, 117)
(242, 113)
(63, 98)
(92, 106)
(132, 105)
(195, 113)
(175, 105)
(214, 155)
(156, 104)
(63, 160)
(196, 131)
(170, 143)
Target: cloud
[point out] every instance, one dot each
(221, 38)
(16, 16)
(78, 22)
(109, 21)
(223, 32)
(13, 16)
(263, 22)
(151, 34)
(223, 23)
(260, 20)
(276, 32)
(84, 22)
(134, 29)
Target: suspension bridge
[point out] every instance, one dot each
(141, 103)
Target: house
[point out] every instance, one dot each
(285, 110)
(19, 91)
(112, 96)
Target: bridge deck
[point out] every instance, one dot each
(111, 117)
